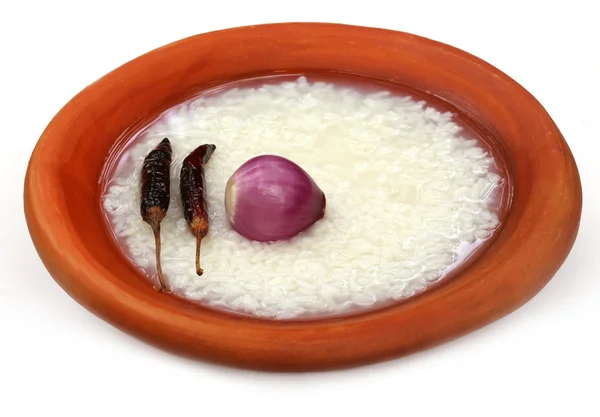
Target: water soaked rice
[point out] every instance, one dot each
(405, 192)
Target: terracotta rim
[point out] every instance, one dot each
(535, 240)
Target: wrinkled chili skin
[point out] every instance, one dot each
(192, 187)
(156, 180)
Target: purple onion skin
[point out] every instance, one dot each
(270, 198)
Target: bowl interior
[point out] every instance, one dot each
(471, 129)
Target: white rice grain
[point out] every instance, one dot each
(404, 192)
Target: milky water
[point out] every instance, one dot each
(410, 195)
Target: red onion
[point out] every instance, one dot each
(270, 198)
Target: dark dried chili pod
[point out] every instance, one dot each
(155, 194)
(193, 197)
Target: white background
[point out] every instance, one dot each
(56, 357)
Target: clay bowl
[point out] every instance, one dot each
(62, 196)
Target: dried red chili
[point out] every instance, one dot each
(192, 188)
(155, 194)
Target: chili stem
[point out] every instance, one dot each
(156, 230)
(199, 270)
